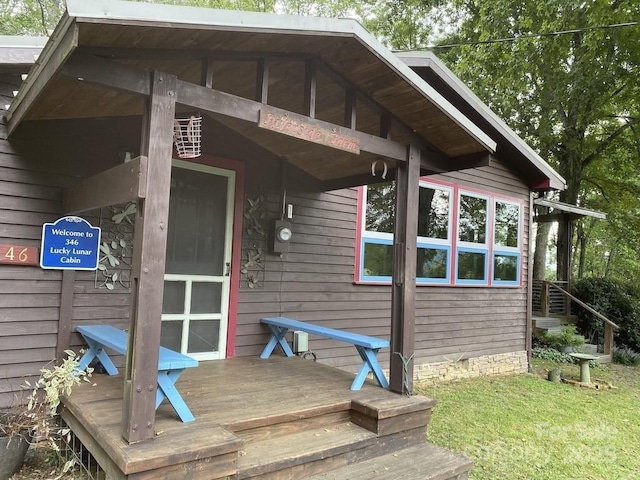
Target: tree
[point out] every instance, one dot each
(573, 96)
(29, 17)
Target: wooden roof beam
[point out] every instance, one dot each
(436, 162)
(262, 81)
(136, 81)
(121, 184)
(310, 88)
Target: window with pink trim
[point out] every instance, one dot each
(465, 236)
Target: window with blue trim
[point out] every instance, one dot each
(506, 243)
(434, 234)
(472, 246)
(464, 237)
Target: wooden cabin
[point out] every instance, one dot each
(194, 138)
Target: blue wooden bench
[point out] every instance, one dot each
(171, 364)
(367, 346)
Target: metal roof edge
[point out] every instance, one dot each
(20, 52)
(22, 41)
(429, 60)
(35, 71)
(567, 207)
(177, 14)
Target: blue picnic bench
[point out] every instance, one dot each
(366, 346)
(171, 364)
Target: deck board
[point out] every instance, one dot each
(227, 398)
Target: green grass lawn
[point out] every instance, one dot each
(524, 427)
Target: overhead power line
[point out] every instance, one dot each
(536, 35)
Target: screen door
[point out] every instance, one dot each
(198, 262)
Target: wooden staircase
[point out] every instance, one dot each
(357, 440)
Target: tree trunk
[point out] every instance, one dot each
(540, 253)
(582, 244)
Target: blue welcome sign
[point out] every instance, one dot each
(70, 243)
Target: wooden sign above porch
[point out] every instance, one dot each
(306, 131)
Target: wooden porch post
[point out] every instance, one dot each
(141, 372)
(403, 287)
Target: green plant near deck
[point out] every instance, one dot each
(568, 337)
(36, 416)
(525, 428)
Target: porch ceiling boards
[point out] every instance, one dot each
(357, 84)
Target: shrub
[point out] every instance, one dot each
(566, 338)
(626, 356)
(617, 301)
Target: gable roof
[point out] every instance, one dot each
(436, 73)
(180, 40)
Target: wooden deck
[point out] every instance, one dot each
(279, 418)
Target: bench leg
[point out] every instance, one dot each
(369, 364)
(96, 350)
(168, 390)
(277, 338)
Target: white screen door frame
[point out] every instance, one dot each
(196, 306)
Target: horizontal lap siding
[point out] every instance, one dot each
(314, 282)
(30, 192)
(29, 296)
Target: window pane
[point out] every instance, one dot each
(380, 206)
(432, 263)
(471, 266)
(203, 335)
(378, 260)
(206, 297)
(507, 219)
(473, 219)
(433, 213)
(171, 334)
(173, 298)
(505, 268)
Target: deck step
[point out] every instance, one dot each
(304, 452)
(424, 461)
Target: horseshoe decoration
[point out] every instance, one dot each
(385, 169)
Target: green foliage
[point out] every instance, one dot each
(29, 17)
(535, 429)
(551, 354)
(618, 301)
(626, 356)
(568, 337)
(37, 415)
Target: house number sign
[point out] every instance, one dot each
(18, 255)
(70, 243)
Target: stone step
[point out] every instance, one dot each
(424, 461)
(304, 452)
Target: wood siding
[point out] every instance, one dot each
(34, 169)
(315, 282)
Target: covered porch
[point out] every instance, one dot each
(289, 104)
(287, 418)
